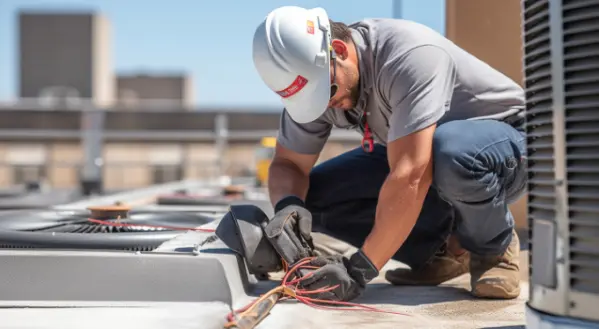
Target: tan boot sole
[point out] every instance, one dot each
(493, 291)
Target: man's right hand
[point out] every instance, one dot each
(289, 231)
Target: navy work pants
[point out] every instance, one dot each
(479, 169)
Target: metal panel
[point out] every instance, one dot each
(115, 277)
(581, 90)
(559, 149)
(540, 69)
(544, 272)
(584, 306)
(562, 69)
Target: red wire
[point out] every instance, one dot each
(301, 295)
(179, 228)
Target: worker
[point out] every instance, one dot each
(442, 156)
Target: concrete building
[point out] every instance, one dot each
(163, 89)
(66, 55)
(489, 29)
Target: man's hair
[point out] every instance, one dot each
(340, 31)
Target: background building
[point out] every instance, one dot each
(163, 90)
(490, 30)
(65, 54)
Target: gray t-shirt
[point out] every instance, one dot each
(411, 77)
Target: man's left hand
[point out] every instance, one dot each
(349, 275)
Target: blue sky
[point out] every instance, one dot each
(209, 39)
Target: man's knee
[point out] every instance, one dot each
(456, 169)
(473, 159)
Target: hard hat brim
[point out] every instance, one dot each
(312, 101)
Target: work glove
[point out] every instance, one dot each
(351, 275)
(289, 230)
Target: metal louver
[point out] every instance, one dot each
(539, 126)
(581, 84)
(561, 67)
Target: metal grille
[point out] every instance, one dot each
(539, 126)
(581, 75)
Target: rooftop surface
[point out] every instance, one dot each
(446, 306)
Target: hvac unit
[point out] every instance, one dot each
(561, 68)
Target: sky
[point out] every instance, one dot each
(211, 40)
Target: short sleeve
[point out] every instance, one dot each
(307, 138)
(418, 87)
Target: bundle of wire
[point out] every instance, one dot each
(252, 314)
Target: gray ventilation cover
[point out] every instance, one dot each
(561, 67)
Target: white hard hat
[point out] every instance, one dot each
(291, 52)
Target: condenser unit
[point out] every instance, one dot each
(561, 69)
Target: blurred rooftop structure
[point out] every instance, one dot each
(166, 89)
(66, 54)
(33, 119)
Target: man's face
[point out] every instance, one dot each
(344, 79)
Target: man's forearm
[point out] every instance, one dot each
(398, 209)
(285, 178)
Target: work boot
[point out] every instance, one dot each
(497, 277)
(444, 267)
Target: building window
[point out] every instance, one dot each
(23, 174)
(166, 173)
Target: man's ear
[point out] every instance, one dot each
(340, 48)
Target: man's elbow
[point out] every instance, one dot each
(418, 176)
(281, 167)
